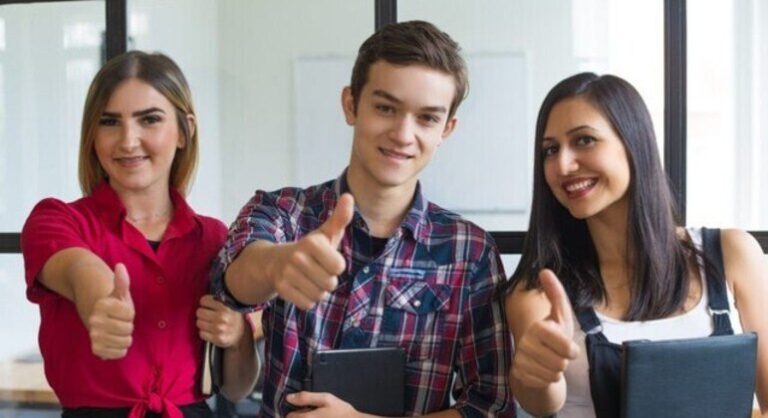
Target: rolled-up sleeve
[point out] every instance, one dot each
(258, 220)
(482, 388)
(51, 227)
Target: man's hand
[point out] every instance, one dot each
(306, 271)
(547, 345)
(320, 405)
(218, 324)
(110, 324)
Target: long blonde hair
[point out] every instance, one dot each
(163, 75)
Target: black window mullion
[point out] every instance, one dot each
(675, 96)
(386, 12)
(117, 27)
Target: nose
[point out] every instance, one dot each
(403, 131)
(130, 136)
(567, 161)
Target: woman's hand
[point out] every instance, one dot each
(110, 324)
(218, 323)
(546, 346)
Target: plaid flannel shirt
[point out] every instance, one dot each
(430, 291)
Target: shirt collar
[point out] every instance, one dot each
(112, 210)
(415, 221)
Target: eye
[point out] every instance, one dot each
(585, 140)
(549, 150)
(151, 119)
(108, 121)
(429, 119)
(385, 109)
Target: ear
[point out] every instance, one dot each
(449, 127)
(191, 127)
(348, 106)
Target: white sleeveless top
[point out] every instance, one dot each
(695, 323)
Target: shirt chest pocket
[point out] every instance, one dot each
(414, 316)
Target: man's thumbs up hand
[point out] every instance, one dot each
(308, 269)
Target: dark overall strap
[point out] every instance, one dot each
(716, 287)
(589, 321)
(604, 359)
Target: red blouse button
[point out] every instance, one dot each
(161, 324)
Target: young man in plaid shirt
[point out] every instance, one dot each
(366, 261)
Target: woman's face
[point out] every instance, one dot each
(137, 138)
(585, 161)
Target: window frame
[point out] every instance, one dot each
(509, 242)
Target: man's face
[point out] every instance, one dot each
(401, 118)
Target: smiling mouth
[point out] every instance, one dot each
(579, 188)
(130, 161)
(394, 154)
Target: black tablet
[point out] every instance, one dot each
(699, 377)
(371, 379)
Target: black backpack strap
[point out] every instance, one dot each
(717, 289)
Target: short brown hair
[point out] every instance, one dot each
(163, 75)
(407, 43)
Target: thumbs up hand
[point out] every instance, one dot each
(546, 347)
(110, 324)
(307, 270)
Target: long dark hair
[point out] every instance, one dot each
(558, 241)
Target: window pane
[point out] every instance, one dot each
(48, 54)
(266, 77)
(727, 114)
(517, 50)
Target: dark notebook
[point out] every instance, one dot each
(371, 379)
(699, 377)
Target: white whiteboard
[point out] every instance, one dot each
(479, 169)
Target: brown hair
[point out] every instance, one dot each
(163, 75)
(408, 43)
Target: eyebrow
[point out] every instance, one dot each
(136, 113)
(388, 96)
(570, 132)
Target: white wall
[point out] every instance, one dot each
(259, 41)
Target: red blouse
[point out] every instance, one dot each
(161, 368)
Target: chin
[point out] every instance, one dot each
(581, 213)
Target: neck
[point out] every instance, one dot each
(608, 230)
(149, 205)
(383, 208)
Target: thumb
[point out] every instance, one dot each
(561, 311)
(334, 226)
(122, 288)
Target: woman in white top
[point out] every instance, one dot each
(603, 238)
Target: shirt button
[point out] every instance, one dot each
(160, 280)
(161, 324)
(366, 269)
(417, 303)
(356, 323)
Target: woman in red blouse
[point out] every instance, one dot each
(120, 274)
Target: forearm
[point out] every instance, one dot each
(249, 277)
(240, 368)
(80, 276)
(539, 401)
